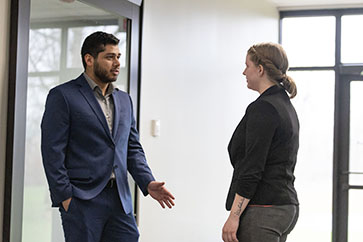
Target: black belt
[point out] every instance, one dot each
(111, 183)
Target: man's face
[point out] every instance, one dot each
(107, 65)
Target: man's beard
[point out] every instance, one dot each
(102, 74)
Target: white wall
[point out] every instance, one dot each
(4, 57)
(192, 61)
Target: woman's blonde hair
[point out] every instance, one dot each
(274, 61)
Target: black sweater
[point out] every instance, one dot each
(263, 151)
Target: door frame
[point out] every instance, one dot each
(347, 73)
(17, 98)
(341, 117)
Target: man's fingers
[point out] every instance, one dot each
(167, 193)
(171, 201)
(161, 194)
(167, 203)
(162, 204)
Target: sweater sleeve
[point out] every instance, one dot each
(262, 121)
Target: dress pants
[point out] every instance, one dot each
(100, 219)
(267, 224)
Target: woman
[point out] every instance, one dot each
(263, 149)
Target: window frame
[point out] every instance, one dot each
(343, 74)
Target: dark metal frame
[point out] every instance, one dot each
(17, 97)
(16, 116)
(344, 73)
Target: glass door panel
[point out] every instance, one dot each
(315, 31)
(314, 104)
(355, 232)
(76, 36)
(356, 134)
(309, 41)
(44, 50)
(54, 57)
(352, 39)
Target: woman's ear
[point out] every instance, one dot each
(261, 70)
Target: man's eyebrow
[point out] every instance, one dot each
(112, 54)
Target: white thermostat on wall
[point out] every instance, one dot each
(155, 128)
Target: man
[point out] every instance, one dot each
(89, 142)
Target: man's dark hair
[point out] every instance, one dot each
(96, 43)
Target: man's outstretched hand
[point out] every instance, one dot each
(159, 193)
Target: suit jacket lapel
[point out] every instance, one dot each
(119, 118)
(87, 93)
(116, 116)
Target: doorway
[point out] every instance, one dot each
(47, 39)
(348, 175)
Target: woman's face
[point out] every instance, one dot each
(252, 74)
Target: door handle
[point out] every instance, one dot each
(351, 172)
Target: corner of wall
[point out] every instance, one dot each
(4, 49)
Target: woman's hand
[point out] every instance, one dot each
(229, 232)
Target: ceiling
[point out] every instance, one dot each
(315, 4)
(43, 10)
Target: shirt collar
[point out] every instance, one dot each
(94, 85)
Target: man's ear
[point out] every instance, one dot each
(89, 60)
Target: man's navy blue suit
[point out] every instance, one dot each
(79, 152)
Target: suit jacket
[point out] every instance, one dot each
(263, 151)
(78, 150)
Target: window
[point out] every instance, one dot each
(309, 41)
(352, 39)
(324, 47)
